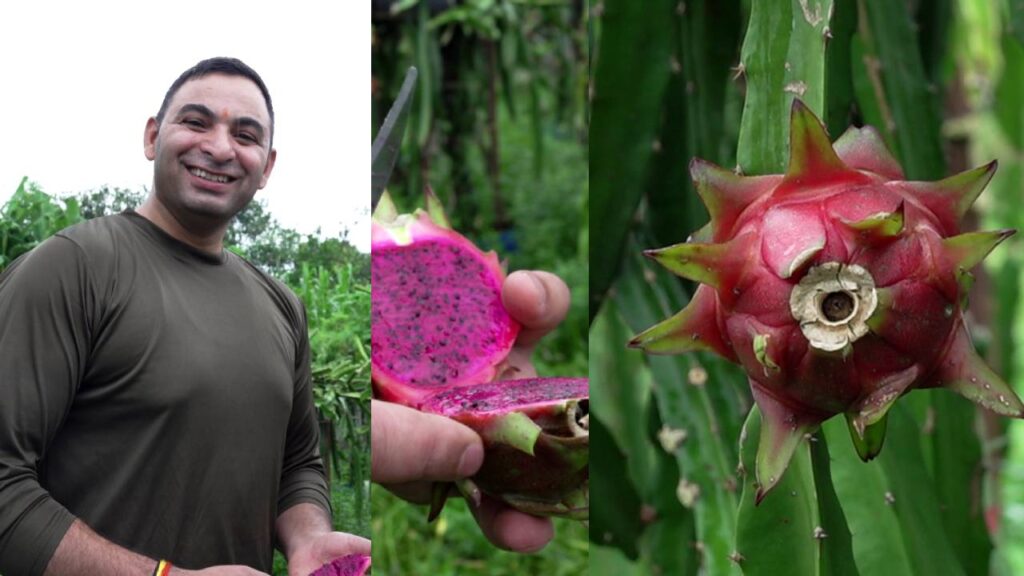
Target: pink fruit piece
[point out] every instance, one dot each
(838, 286)
(350, 565)
(426, 280)
(441, 336)
(536, 435)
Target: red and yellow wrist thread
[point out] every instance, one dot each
(163, 568)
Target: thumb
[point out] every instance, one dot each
(408, 445)
(337, 544)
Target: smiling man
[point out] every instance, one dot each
(155, 403)
(212, 148)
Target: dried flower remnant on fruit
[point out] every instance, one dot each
(838, 286)
(832, 303)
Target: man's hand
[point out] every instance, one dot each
(411, 450)
(308, 542)
(319, 550)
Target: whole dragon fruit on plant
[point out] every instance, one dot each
(838, 286)
(440, 337)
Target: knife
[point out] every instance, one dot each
(389, 140)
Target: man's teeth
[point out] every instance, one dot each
(211, 177)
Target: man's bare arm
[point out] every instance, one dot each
(83, 552)
(300, 523)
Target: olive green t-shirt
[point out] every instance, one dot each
(157, 393)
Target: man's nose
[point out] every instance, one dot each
(219, 144)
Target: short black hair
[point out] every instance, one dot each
(219, 65)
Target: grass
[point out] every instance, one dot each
(405, 544)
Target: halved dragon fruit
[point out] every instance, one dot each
(838, 286)
(350, 565)
(437, 317)
(440, 337)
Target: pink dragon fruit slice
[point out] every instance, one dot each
(536, 435)
(350, 565)
(838, 286)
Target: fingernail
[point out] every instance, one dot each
(471, 460)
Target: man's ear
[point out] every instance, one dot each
(271, 158)
(149, 139)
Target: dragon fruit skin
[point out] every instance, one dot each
(536, 436)
(441, 335)
(838, 286)
(350, 565)
(419, 263)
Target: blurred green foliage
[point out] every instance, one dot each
(29, 217)
(497, 129)
(403, 543)
(338, 312)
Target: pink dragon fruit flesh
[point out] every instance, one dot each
(426, 279)
(350, 565)
(440, 337)
(838, 286)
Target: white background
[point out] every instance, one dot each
(79, 79)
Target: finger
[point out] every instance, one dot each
(538, 300)
(342, 543)
(510, 529)
(415, 492)
(519, 364)
(408, 445)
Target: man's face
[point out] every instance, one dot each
(212, 150)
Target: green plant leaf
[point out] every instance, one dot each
(764, 132)
(630, 76)
(783, 534)
(910, 112)
(690, 413)
(615, 520)
(890, 502)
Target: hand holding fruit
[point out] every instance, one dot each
(412, 449)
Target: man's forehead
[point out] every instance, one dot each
(223, 94)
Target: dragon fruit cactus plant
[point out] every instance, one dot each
(838, 286)
(440, 340)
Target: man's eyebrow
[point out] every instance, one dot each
(250, 122)
(198, 108)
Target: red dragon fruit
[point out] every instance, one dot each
(440, 337)
(838, 286)
(350, 565)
